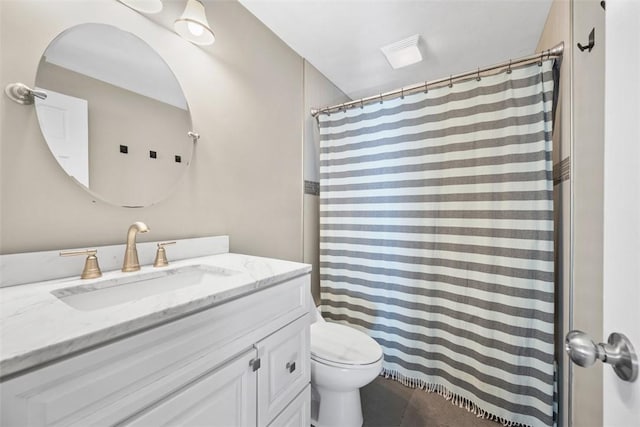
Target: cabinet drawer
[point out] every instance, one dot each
(225, 397)
(285, 368)
(298, 413)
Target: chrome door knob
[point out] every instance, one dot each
(617, 351)
(581, 349)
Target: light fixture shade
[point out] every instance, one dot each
(193, 24)
(144, 6)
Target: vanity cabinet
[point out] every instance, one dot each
(244, 362)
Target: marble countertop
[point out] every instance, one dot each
(37, 327)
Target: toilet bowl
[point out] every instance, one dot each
(343, 359)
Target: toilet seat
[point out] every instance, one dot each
(342, 346)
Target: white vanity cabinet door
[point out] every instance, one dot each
(298, 413)
(285, 368)
(223, 398)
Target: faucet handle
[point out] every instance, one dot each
(161, 255)
(91, 268)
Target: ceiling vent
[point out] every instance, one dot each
(404, 52)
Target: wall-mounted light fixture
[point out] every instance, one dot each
(144, 6)
(193, 24)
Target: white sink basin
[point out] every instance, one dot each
(104, 293)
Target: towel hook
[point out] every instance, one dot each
(592, 42)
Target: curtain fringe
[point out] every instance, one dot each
(448, 395)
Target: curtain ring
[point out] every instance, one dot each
(426, 87)
(478, 75)
(361, 104)
(401, 93)
(380, 98)
(540, 62)
(509, 69)
(450, 80)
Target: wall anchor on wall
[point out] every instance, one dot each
(592, 41)
(194, 136)
(23, 94)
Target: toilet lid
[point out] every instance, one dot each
(341, 344)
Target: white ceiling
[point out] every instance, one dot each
(342, 38)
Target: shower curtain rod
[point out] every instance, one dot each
(554, 52)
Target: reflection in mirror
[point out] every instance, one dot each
(115, 117)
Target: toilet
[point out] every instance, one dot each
(343, 359)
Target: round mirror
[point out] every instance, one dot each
(115, 117)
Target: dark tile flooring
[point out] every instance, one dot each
(387, 403)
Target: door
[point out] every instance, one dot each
(65, 126)
(621, 267)
(225, 397)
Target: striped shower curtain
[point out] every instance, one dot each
(436, 231)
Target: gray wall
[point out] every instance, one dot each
(246, 95)
(588, 203)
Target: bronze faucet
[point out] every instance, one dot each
(131, 253)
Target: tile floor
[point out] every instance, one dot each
(387, 403)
